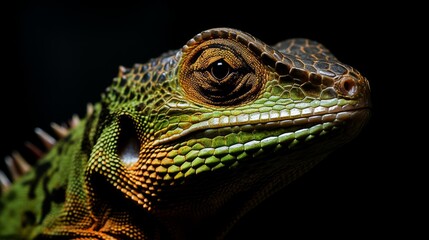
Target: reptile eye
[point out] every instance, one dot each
(220, 72)
(220, 69)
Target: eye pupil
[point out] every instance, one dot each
(220, 69)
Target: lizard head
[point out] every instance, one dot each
(223, 119)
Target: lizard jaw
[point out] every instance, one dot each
(294, 117)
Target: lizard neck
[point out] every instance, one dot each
(214, 220)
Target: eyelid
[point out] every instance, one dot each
(229, 56)
(212, 64)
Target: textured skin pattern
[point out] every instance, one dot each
(184, 145)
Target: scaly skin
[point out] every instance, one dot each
(183, 146)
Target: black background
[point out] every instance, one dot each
(58, 57)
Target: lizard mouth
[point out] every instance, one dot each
(286, 119)
(129, 144)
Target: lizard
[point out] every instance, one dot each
(186, 144)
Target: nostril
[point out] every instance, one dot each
(348, 86)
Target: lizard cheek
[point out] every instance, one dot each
(128, 144)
